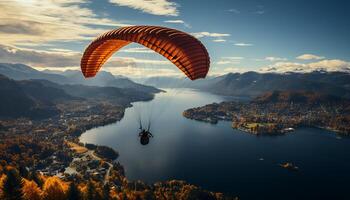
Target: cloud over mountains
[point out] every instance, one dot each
(323, 65)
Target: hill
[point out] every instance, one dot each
(25, 72)
(112, 94)
(29, 101)
(38, 98)
(298, 97)
(254, 84)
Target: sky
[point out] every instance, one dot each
(240, 35)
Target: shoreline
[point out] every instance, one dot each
(216, 120)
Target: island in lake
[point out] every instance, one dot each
(279, 112)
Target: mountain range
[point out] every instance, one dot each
(254, 84)
(38, 98)
(251, 84)
(299, 97)
(28, 99)
(24, 72)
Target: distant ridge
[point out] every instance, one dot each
(253, 84)
(37, 99)
(26, 99)
(300, 97)
(25, 72)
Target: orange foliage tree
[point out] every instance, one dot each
(54, 189)
(31, 191)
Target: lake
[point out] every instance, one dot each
(218, 158)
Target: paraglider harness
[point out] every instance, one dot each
(145, 134)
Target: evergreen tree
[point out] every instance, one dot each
(23, 171)
(106, 192)
(90, 190)
(74, 192)
(12, 186)
(34, 176)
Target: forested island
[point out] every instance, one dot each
(279, 112)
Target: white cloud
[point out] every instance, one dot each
(324, 65)
(241, 44)
(137, 50)
(232, 69)
(56, 69)
(138, 60)
(225, 62)
(154, 7)
(65, 59)
(143, 72)
(178, 21)
(39, 59)
(217, 37)
(35, 22)
(219, 40)
(229, 60)
(63, 50)
(233, 10)
(309, 57)
(208, 34)
(271, 58)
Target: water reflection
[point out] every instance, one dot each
(219, 158)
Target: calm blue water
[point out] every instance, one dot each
(219, 158)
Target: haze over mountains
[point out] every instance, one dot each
(24, 99)
(24, 72)
(34, 94)
(238, 84)
(254, 84)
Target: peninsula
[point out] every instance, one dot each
(279, 112)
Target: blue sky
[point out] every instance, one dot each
(260, 35)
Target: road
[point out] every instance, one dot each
(92, 154)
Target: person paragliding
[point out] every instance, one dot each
(182, 49)
(144, 134)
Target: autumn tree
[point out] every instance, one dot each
(54, 189)
(12, 185)
(31, 191)
(91, 192)
(2, 178)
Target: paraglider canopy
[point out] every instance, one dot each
(182, 49)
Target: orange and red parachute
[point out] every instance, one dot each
(182, 49)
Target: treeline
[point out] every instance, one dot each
(38, 187)
(26, 150)
(34, 186)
